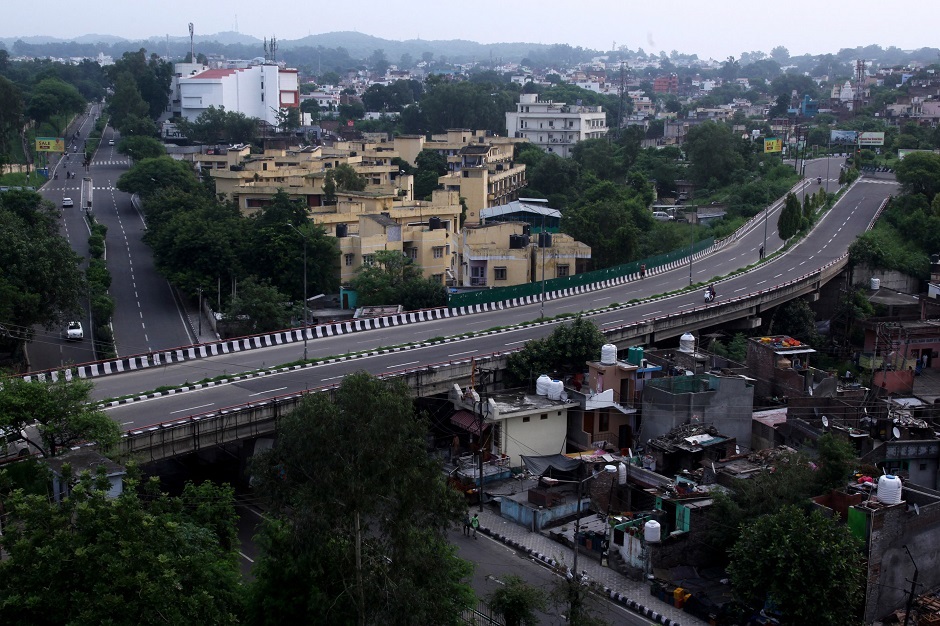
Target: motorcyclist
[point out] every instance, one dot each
(710, 293)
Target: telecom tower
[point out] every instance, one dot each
(858, 99)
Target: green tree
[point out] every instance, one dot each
(919, 173)
(517, 601)
(265, 308)
(836, 462)
(431, 165)
(714, 152)
(138, 148)
(11, 115)
(796, 319)
(791, 217)
(62, 411)
(808, 565)
(151, 76)
(342, 547)
(90, 559)
(393, 278)
(126, 103)
(149, 177)
(566, 350)
(52, 99)
(40, 280)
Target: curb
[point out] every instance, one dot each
(614, 596)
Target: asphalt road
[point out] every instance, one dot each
(493, 561)
(146, 315)
(829, 240)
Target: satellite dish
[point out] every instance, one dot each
(896, 432)
(825, 421)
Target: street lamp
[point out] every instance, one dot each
(610, 469)
(306, 323)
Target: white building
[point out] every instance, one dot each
(258, 91)
(555, 126)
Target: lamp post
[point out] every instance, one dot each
(543, 242)
(610, 469)
(306, 323)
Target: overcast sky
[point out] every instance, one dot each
(709, 29)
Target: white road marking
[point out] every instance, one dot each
(461, 353)
(512, 343)
(268, 391)
(404, 364)
(192, 408)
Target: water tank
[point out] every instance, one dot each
(541, 385)
(555, 389)
(608, 354)
(515, 242)
(687, 343)
(889, 489)
(342, 230)
(651, 531)
(434, 223)
(622, 474)
(875, 283)
(545, 240)
(634, 355)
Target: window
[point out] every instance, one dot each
(412, 253)
(368, 259)
(562, 271)
(525, 419)
(603, 423)
(551, 123)
(349, 259)
(543, 416)
(438, 252)
(499, 273)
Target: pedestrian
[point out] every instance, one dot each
(466, 524)
(643, 271)
(474, 524)
(761, 253)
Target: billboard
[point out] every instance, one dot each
(50, 144)
(842, 137)
(773, 145)
(871, 139)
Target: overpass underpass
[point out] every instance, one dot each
(237, 423)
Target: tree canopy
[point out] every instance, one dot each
(140, 558)
(359, 512)
(393, 278)
(62, 411)
(565, 351)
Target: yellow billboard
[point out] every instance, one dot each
(50, 144)
(773, 145)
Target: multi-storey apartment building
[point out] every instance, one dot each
(259, 90)
(555, 126)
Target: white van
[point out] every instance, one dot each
(662, 216)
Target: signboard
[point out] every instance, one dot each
(843, 136)
(871, 139)
(773, 145)
(50, 144)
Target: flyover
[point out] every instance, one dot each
(210, 411)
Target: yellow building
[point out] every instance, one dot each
(503, 254)
(426, 232)
(480, 166)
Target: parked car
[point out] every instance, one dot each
(662, 216)
(67, 203)
(110, 142)
(74, 331)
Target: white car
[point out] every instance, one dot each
(662, 216)
(110, 142)
(67, 203)
(74, 331)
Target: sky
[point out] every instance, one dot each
(716, 29)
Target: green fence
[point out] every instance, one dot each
(500, 294)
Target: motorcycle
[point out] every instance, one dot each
(710, 295)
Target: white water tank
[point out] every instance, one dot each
(608, 354)
(652, 531)
(889, 489)
(622, 474)
(541, 385)
(687, 343)
(555, 389)
(875, 283)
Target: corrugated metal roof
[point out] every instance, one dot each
(518, 206)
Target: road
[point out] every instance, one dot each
(493, 561)
(829, 240)
(146, 315)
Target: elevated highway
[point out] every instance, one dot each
(157, 424)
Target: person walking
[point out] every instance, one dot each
(466, 524)
(760, 253)
(474, 524)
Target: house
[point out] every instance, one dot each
(80, 461)
(555, 126)
(503, 254)
(666, 84)
(780, 366)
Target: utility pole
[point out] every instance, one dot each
(910, 597)
(306, 322)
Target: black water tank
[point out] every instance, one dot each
(515, 242)
(545, 240)
(342, 230)
(434, 223)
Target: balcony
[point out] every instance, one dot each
(478, 281)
